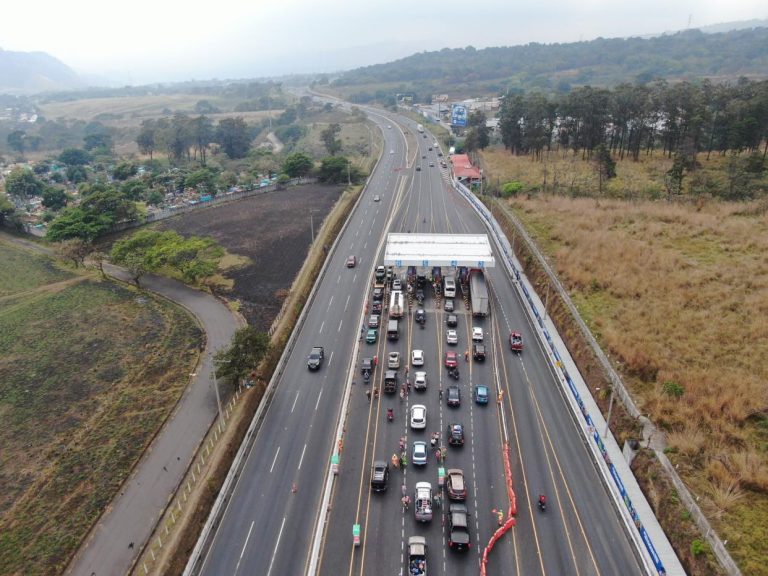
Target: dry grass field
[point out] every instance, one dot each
(677, 294)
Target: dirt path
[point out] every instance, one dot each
(46, 289)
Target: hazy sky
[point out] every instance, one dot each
(145, 41)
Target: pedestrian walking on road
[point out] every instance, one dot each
(440, 392)
(368, 394)
(466, 355)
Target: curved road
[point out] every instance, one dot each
(132, 515)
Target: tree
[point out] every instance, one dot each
(74, 157)
(335, 169)
(75, 222)
(6, 209)
(204, 180)
(234, 137)
(77, 174)
(604, 165)
(74, 249)
(194, 257)
(328, 136)
(135, 253)
(124, 170)
(202, 135)
(22, 183)
(243, 355)
(297, 165)
(146, 138)
(17, 141)
(54, 198)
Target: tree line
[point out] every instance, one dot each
(681, 118)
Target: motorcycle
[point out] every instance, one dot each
(542, 504)
(366, 377)
(454, 373)
(390, 414)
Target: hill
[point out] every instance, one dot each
(687, 55)
(29, 72)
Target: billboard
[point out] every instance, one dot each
(459, 115)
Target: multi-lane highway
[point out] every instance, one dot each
(270, 520)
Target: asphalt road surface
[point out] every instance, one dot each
(269, 523)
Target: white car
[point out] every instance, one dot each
(397, 284)
(452, 337)
(418, 417)
(477, 334)
(419, 457)
(417, 357)
(391, 151)
(420, 381)
(393, 360)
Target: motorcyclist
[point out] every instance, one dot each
(542, 501)
(390, 414)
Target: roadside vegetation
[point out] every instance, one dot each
(89, 370)
(676, 293)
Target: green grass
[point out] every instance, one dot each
(23, 271)
(87, 375)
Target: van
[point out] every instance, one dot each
(393, 331)
(450, 287)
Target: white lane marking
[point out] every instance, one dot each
(338, 279)
(302, 460)
(347, 304)
(280, 535)
(245, 545)
(330, 360)
(318, 399)
(369, 231)
(321, 327)
(354, 279)
(274, 460)
(330, 301)
(294, 402)
(340, 323)
(351, 245)
(365, 245)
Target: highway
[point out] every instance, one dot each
(270, 520)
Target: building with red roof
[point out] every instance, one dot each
(463, 170)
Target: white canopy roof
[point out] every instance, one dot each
(427, 250)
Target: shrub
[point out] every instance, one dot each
(511, 189)
(673, 389)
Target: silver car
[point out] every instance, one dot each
(393, 360)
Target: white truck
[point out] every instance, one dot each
(417, 556)
(396, 304)
(423, 502)
(420, 128)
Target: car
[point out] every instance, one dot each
(478, 352)
(373, 321)
(452, 337)
(371, 336)
(418, 417)
(458, 528)
(454, 396)
(430, 148)
(391, 151)
(351, 261)
(451, 360)
(452, 320)
(376, 307)
(420, 381)
(477, 334)
(448, 306)
(431, 164)
(366, 366)
(421, 316)
(378, 294)
(423, 155)
(455, 434)
(481, 394)
(377, 198)
(424, 135)
(440, 154)
(315, 358)
(380, 273)
(393, 360)
(455, 485)
(397, 284)
(389, 126)
(417, 357)
(380, 476)
(516, 341)
(418, 168)
(419, 454)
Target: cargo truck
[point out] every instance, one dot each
(396, 302)
(479, 292)
(417, 556)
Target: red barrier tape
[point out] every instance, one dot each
(511, 513)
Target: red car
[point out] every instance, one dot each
(516, 341)
(351, 261)
(451, 360)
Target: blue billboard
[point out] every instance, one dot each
(459, 115)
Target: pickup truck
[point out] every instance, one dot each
(417, 556)
(423, 502)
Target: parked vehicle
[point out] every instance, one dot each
(455, 433)
(417, 357)
(477, 334)
(454, 482)
(418, 417)
(390, 381)
(423, 501)
(396, 304)
(393, 331)
(451, 360)
(371, 336)
(478, 352)
(452, 337)
(458, 528)
(449, 287)
(420, 317)
(479, 292)
(417, 556)
(420, 381)
(380, 272)
(419, 455)
(393, 360)
(448, 306)
(373, 321)
(452, 320)
(454, 396)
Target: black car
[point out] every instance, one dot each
(478, 352)
(452, 320)
(315, 358)
(378, 294)
(458, 528)
(376, 308)
(421, 316)
(455, 433)
(380, 476)
(454, 396)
